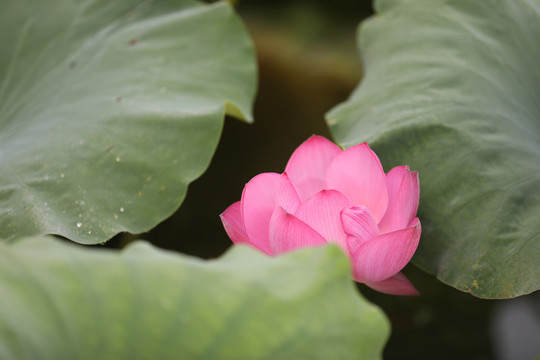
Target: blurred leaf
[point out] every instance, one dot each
(109, 109)
(452, 88)
(60, 301)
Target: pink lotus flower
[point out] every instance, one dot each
(343, 197)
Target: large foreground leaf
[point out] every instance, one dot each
(452, 88)
(109, 109)
(63, 302)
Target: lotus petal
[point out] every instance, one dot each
(386, 255)
(357, 173)
(288, 233)
(307, 165)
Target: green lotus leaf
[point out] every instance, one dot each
(109, 109)
(452, 89)
(61, 301)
